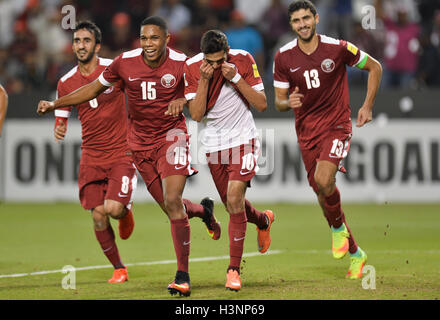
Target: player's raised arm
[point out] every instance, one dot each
(3, 107)
(374, 69)
(81, 95)
(197, 106)
(254, 97)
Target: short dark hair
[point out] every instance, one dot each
(157, 21)
(213, 41)
(302, 4)
(91, 27)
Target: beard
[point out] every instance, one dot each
(308, 39)
(88, 58)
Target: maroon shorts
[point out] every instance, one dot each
(115, 181)
(333, 147)
(238, 163)
(166, 159)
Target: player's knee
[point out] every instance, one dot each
(234, 202)
(174, 205)
(100, 220)
(115, 210)
(324, 182)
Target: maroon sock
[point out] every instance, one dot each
(106, 239)
(180, 231)
(255, 216)
(335, 217)
(351, 242)
(193, 209)
(333, 212)
(237, 233)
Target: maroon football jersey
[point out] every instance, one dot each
(103, 119)
(149, 91)
(322, 78)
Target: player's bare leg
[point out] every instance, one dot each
(120, 212)
(173, 187)
(106, 238)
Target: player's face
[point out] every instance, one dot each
(84, 45)
(303, 23)
(154, 41)
(216, 59)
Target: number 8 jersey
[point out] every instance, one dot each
(149, 91)
(322, 78)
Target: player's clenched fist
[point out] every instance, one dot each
(228, 71)
(45, 107)
(206, 70)
(295, 99)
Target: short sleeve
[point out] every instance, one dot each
(65, 111)
(280, 79)
(111, 74)
(190, 82)
(250, 73)
(353, 56)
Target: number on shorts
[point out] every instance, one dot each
(180, 156)
(339, 148)
(248, 162)
(125, 184)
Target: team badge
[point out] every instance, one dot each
(168, 80)
(328, 65)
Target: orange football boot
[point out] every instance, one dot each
(119, 276)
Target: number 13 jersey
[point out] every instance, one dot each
(322, 78)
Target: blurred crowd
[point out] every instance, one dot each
(404, 35)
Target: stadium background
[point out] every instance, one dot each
(395, 158)
(394, 163)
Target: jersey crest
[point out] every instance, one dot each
(168, 80)
(328, 65)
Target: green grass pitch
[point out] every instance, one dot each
(402, 242)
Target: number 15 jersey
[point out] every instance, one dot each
(149, 91)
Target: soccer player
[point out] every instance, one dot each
(107, 176)
(153, 80)
(3, 106)
(310, 78)
(221, 85)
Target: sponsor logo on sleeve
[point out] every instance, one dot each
(352, 48)
(255, 69)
